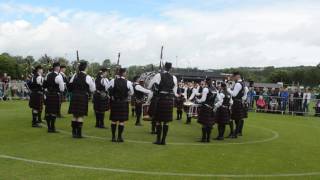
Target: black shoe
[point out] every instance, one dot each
(36, 126)
(239, 134)
(120, 140)
(219, 138)
(163, 142)
(157, 142)
(138, 124)
(113, 140)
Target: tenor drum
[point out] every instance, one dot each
(145, 112)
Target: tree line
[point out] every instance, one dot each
(19, 67)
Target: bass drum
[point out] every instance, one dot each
(146, 78)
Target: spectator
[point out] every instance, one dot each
(251, 96)
(284, 95)
(297, 101)
(306, 100)
(261, 104)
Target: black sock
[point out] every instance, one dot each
(113, 130)
(231, 127)
(204, 134)
(74, 128)
(79, 129)
(159, 131)
(221, 129)
(188, 120)
(48, 120)
(120, 131)
(165, 132)
(97, 119)
(102, 120)
(208, 133)
(236, 131)
(39, 117)
(153, 127)
(241, 126)
(52, 123)
(138, 119)
(34, 119)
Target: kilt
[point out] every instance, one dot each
(164, 110)
(79, 104)
(223, 115)
(206, 116)
(153, 106)
(52, 103)
(237, 110)
(36, 101)
(119, 110)
(179, 103)
(100, 103)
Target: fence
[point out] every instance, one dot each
(14, 90)
(290, 105)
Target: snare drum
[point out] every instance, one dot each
(191, 109)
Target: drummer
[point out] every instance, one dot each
(180, 100)
(209, 100)
(189, 94)
(139, 94)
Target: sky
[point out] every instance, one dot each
(207, 34)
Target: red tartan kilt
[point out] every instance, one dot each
(79, 104)
(223, 115)
(100, 104)
(52, 103)
(164, 111)
(36, 101)
(206, 116)
(119, 111)
(237, 110)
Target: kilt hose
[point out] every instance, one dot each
(36, 101)
(119, 110)
(237, 110)
(52, 103)
(100, 103)
(223, 115)
(164, 109)
(206, 116)
(79, 104)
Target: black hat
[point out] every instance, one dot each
(63, 66)
(122, 70)
(38, 67)
(82, 65)
(56, 64)
(223, 85)
(103, 69)
(136, 78)
(168, 65)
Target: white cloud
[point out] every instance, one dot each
(280, 35)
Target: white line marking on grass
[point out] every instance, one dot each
(275, 136)
(158, 173)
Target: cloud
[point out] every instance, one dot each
(282, 34)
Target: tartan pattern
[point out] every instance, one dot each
(237, 110)
(164, 110)
(100, 104)
(179, 103)
(79, 104)
(52, 103)
(206, 116)
(36, 101)
(119, 111)
(223, 115)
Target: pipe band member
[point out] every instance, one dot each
(101, 100)
(238, 92)
(139, 93)
(120, 89)
(81, 85)
(223, 114)
(164, 102)
(206, 115)
(64, 94)
(36, 96)
(180, 100)
(189, 94)
(54, 87)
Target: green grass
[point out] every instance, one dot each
(296, 150)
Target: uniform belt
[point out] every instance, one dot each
(165, 92)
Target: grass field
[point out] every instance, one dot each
(273, 146)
